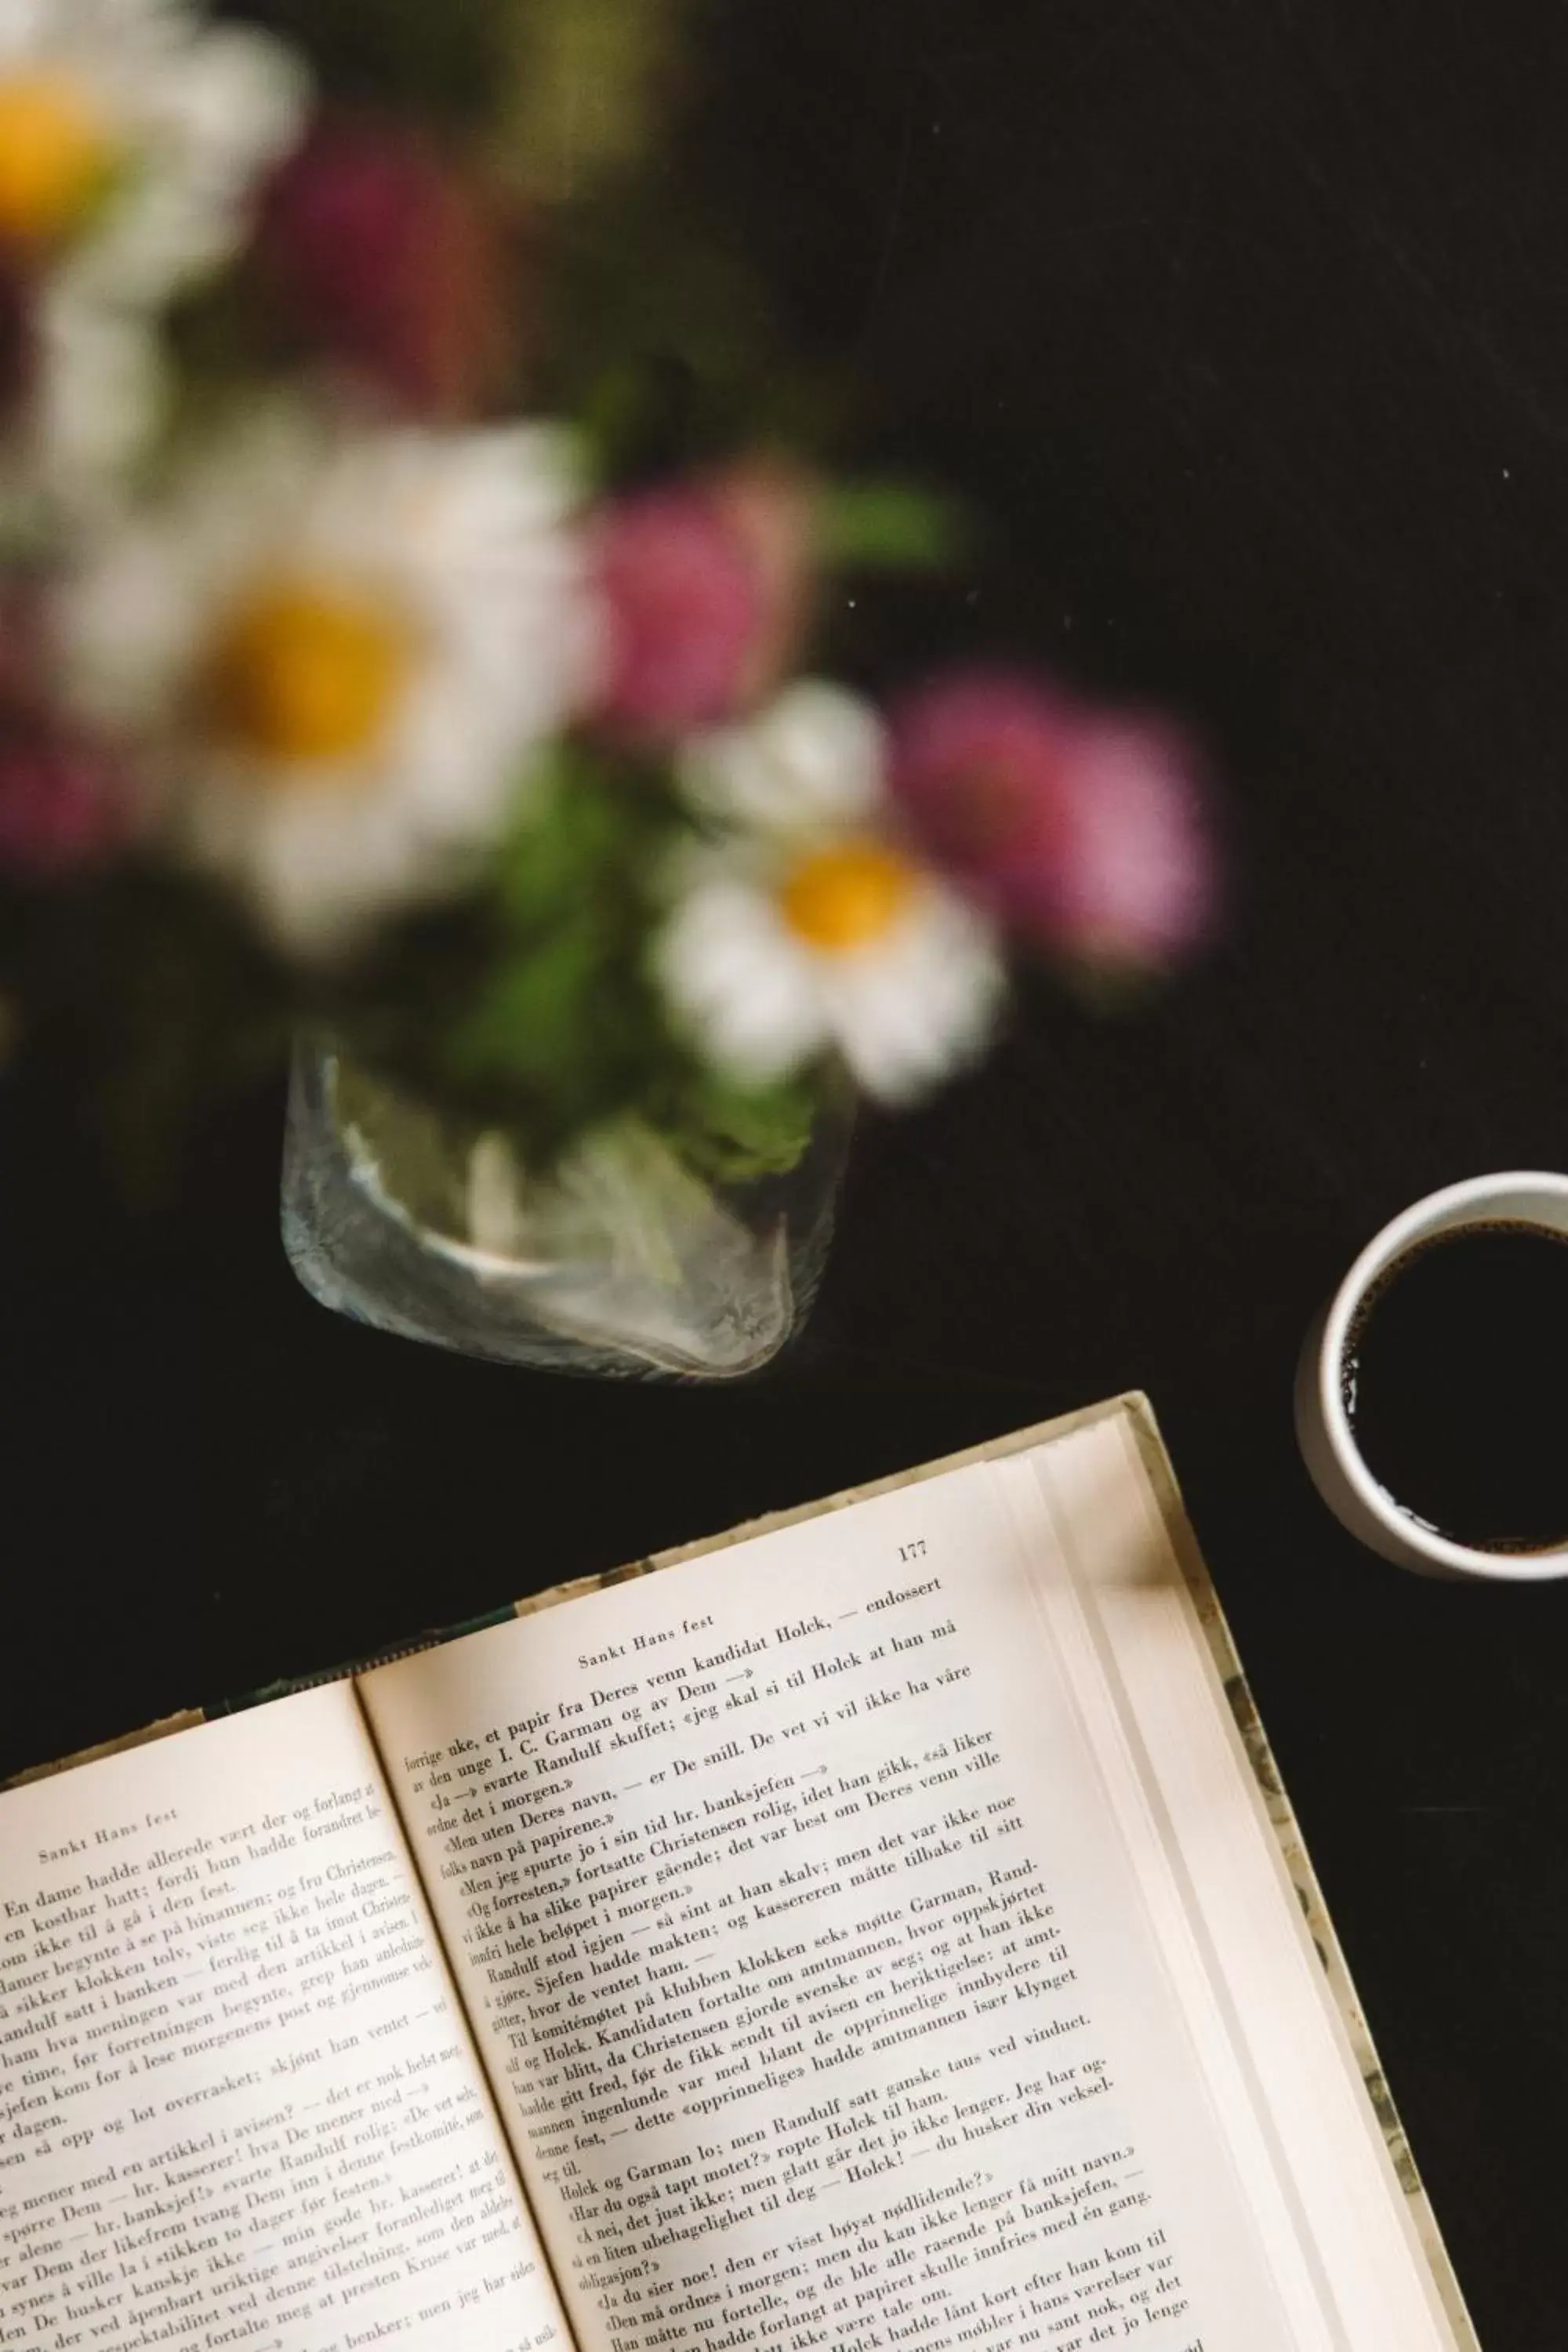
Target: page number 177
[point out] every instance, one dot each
(915, 1551)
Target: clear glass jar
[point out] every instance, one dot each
(621, 1261)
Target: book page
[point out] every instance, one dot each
(238, 2103)
(821, 1997)
(1344, 2225)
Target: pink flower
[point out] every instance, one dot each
(770, 503)
(684, 613)
(64, 803)
(1140, 882)
(707, 590)
(1085, 828)
(385, 258)
(66, 798)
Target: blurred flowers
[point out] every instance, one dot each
(332, 657)
(813, 927)
(64, 804)
(411, 581)
(1084, 828)
(387, 258)
(705, 589)
(132, 139)
(683, 610)
(67, 801)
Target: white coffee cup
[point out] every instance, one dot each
(1324, 1425)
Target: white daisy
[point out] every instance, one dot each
(131, 136)
(812, 929)
(336, 655)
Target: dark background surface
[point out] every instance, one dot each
(1247, 318)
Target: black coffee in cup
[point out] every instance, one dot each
(1455, 1378)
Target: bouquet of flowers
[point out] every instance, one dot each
(404, 643)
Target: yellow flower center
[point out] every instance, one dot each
(54, 157)
(848, 896)
(307, 671)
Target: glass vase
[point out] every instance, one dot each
(621, 1261)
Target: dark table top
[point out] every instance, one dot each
(1247, 320)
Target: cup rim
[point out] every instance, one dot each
(1386, 1244)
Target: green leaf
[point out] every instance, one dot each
(733, 1134)
(535, 1017)
(568, 834)
(890, 527)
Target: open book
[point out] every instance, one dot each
(873, 1931)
